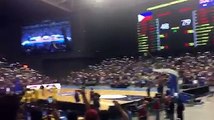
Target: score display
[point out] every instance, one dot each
(174, 29)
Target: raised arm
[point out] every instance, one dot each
(87, 104)
(123, 113)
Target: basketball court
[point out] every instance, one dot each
(108, 95)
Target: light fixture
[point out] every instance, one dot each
(166, 4)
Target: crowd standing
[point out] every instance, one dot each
(133, 71)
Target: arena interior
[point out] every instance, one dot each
(106, 59)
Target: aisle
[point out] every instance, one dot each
(201, 112)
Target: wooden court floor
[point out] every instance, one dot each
(65, 95)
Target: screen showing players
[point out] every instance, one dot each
(46, 37)
(175, 27)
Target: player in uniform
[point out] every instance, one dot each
(92, 95)
(54, 92)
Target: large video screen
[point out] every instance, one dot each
(176, 26)
(47, 37)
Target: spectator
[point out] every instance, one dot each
(171, 109)
(156, 108)
(76, 96)
(91, 114)
(124, 115)
(92, 94)
(166, 106)
(148, 90)
(72, 115)
(197, 69)
(104, 115)
(142, 111)
(160, 89)
(96, 101)
(180, 109)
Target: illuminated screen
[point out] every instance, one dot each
(46, 37)
(206, 3)
(176, 27)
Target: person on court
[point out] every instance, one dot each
(92, 95)
(54, 92)
(42, 88)
(76, 96)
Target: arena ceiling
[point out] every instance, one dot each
(24, 10)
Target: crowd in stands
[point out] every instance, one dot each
(192, 69)
(125, 70)
(142, 110)
(16, 73)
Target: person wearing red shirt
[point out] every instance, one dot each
(156, 107)
(142, 112)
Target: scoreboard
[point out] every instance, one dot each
(176, 26)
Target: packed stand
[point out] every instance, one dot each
(15, 73)
(193, 69)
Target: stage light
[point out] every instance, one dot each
(203, 38)
(175, 28)
(145, 45)
(143, 40)
(174, 31)
(190, 31)
(203, 25)
(161, 36)
(204, 31)
(143, 50)
(161, 47)
(201, 35)
(201, 44)
(191, 44)
(203, 41)
(166, 4)
(204, 28)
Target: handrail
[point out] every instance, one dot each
(196, 88)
